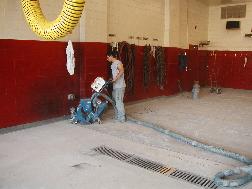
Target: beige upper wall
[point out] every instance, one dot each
(137, 18)
(171, 21)
(94, 21)
(222, 39)
(165, 20)
(197, 21)
(188, 22)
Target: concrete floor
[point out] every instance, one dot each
(45, 157)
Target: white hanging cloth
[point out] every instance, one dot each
(70, 58)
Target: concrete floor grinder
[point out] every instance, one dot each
(91, 109)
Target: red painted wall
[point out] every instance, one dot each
(93, 64)
(140, 92)
(173, 73)
(203, 67)
(230, 69)
(34, 82)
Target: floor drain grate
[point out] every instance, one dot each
(157, 167)
(194, 179)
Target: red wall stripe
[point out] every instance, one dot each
(34, 82)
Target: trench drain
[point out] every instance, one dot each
(157, 167)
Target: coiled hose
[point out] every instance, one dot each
(61, 26)
(160, 66)
(244, 174)
(146, 66)
(127, 56)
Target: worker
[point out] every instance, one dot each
(118, 84)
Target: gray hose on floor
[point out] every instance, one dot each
(244, 172)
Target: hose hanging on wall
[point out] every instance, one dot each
(183, 61)
(60, 27)
(146, 65)
(127, 56)
(160, 66)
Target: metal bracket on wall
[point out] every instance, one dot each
(111, 35)
(248, 35)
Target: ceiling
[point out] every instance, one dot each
(224, 2)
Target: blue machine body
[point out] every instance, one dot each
(91, 109)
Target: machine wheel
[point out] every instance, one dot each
(73, 122)
(99, 121)
(218, 91)
(212, 90)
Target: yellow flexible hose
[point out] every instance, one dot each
(61, 26)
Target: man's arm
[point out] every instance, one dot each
(121, 71)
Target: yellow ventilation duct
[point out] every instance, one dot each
(63, 25)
